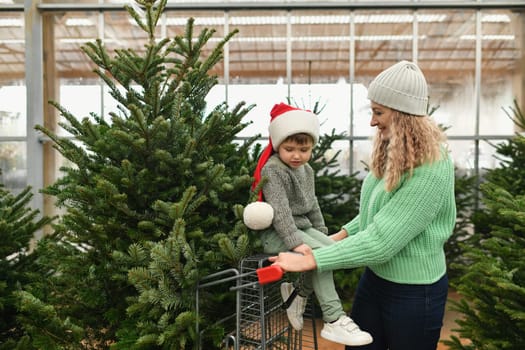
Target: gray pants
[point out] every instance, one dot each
(321, 283)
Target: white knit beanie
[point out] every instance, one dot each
(287, 120)
(401, 87)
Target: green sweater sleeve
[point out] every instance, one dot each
(423, 205)
(353, 226)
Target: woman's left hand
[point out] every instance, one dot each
(293, 262)
(338, 236)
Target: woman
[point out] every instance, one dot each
(298, 224)
(407, 212)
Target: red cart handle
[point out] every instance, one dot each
(269, 274)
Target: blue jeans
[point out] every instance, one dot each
(399, 316)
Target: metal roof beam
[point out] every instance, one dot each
(390, 5)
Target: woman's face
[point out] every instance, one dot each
(382, 118)
(294, 154)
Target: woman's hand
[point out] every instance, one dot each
(293, 262)
(338, 236)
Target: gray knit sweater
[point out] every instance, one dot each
(291, 193)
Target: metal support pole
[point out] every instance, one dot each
(34, 102)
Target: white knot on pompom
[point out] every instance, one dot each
(258, 215)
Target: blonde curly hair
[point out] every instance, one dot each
(414, 140)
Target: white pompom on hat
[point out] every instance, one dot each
(401, 87)
(285, 121)
(258, 215)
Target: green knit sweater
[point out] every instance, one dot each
(400, 235)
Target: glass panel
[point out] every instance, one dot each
(464, 155)
(257, 64)
(333, 104)
(258, 51)
(122, 32)
(362, 150)
(176, 21)
(12, 68)
(264, 96)
(343, 158)
(13, 160)
(500, 70)
(320, 46)
(12, 48)
(73, 68)
(382, 39)
(333, 101)
(320, 64)
(447, 57)
(13, 111)
(71, 31)
(362, 112)
(81, 107)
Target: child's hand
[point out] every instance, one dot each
(338, 236)
(303, 249)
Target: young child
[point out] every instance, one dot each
(298, 223)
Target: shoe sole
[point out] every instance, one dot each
(334, 339)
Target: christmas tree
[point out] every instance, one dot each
(493, 281)
(18, 225)
(150, 195)
(465, 193)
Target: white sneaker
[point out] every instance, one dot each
(345, 331)
(296, 310)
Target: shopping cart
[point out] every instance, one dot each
(260, 315)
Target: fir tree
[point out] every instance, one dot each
(493, 284)
(18, 225)
(150, 196)
(465, 191)
(493, 281)
(465, 194)
(510, 176)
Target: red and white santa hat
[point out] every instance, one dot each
(285, 121)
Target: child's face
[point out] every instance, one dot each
(294, 154)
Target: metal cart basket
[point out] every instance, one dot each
(261, 321)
